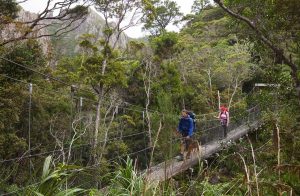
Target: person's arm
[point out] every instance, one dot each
(191, 127)
(219, 116)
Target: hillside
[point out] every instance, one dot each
(12, 30)
(67, 44)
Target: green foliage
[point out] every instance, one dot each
(52, 181)
(160, 15)
(117, 148)
(8, 10)
(78, 11)
(277, 23)
(199, 5)
(165, 148)
(212, 59)
(114, 76)
(128, 182)
(164, 45)
(68, 68)
(11, 145)
(212, 190)
(11, 99)
(29, 54)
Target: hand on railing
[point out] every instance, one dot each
(176, 132)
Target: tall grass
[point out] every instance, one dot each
(128, 181)
(52, 181)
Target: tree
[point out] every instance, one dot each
(106, 67)
(8, 11)
(211, 58)
(274, 26)
(162, 14)
(199, 5)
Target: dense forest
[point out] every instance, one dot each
(89, 113)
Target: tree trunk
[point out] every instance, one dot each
(234, 91)
(147, 88)
(96, 131)
(98, 114)
(107, 128)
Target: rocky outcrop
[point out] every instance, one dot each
(66, 44)
(12, 31)
(94, 24)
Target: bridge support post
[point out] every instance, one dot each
(29, 126)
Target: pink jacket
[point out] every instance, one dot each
(224, 116)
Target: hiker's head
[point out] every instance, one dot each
(223, 108)
(184, 113)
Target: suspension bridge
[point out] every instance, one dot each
(118, 128)
(210, 144)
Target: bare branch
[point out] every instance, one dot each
(64, 20)
(76, 135)
(19, 2)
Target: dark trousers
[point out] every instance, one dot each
(224, 126)
(224, 131)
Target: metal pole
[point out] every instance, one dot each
(145, 140)
(73, 87)
(80, 104)
(29, 126)
(219, 100)
(80, 109)
(72, 95)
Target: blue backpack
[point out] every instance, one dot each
(193, 116)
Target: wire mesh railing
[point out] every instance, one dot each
(211, 130)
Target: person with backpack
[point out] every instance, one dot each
(186, 129)
(224, 119)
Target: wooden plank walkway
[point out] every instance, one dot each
(170, 168)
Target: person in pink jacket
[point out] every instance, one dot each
(224, 119)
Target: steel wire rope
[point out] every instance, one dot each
(44, 153)
(145, 141)
(79, 98)
(75, 86)
(87, 167)
(75, 146)
(207, 129)
(17, 80)
(125, 155)
(59, 80)
(128, 154)
(94, 165)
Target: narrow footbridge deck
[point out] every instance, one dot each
(170, 168)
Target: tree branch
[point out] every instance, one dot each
(65, 18)
(277, 50)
